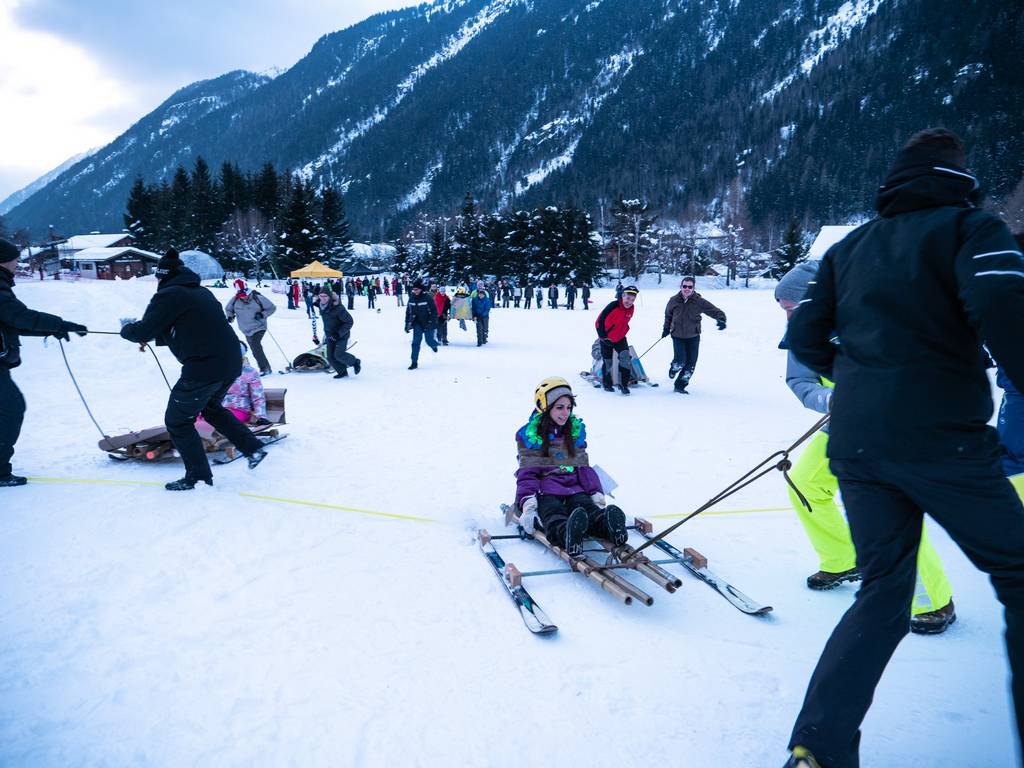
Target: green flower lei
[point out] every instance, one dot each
(534, 439)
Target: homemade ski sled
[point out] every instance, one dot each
(155, 444)
(605, 566)
(637, 373)
(315, 360)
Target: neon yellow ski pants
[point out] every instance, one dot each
(829, 532)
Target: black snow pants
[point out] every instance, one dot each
(972, 499)
(189, 398)
(338, 355)
(12, 414)
(684, 358)
(625, 361)
(554, 511)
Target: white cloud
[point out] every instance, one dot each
(55, 99)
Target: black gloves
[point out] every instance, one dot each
(721, 325)
(408, 328)
(258, 315)
(664, 332)
(69, 327)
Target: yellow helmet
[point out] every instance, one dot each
(549, 390)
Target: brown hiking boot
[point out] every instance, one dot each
(823, 580)
(933, 622)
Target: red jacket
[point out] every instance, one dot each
(613, 322)
(442, 302)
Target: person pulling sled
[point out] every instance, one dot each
(188, 319)
(556, 488)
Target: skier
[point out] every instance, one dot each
(252, 309)
(421, 319)
(480, 311)
(932, 609)
(682, 320)
(18, 320)
(337, 330)
(444, 311)
(556, 488)
(612, 326)
(188, 319)
(913, 295)
(570, 296)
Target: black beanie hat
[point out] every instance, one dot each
(168, 265)
(934, 149)
(8, 251)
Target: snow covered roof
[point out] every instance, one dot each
(106, 254)
(827, 237)
(81, 242)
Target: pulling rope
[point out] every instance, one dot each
(783, 464)
(651, 347)
(67, 365)
(287, 360)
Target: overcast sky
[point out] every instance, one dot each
(74, 74)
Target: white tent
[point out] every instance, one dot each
(203, 264)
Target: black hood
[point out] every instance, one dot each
(915, 188)
(183, 277)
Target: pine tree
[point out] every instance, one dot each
(141, 215)
(584, 257)
(791, 252)
(468, 247)
(337, 241)
(400, 265)
(264, 194)
(205, 216)
(632, 234)
(179, 232)
(299, 240)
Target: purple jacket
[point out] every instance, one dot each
(554, 480)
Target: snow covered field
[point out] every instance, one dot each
(331, 608)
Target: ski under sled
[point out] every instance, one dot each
(155, 444)
(606, 574)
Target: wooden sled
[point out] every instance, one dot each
(155, 444)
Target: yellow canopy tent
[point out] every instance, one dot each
(316, 269)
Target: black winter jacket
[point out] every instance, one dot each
(420, 310)
(913, 295)
(337, 320)
(18, 320)
(188, 319)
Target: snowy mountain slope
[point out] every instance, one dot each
(274, 620)
(540, 100)
(15, 198)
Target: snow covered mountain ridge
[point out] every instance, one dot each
(797, 105)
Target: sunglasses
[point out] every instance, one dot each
(687, 287)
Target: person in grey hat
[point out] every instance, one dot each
(18, 320)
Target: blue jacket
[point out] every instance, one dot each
(481, 304)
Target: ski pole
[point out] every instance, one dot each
(287, 360)
(652, 347)
(783, 465)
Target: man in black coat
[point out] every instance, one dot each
(188, 319)
(337, 330)
(913, 295)
(421, 319)
(18, 320)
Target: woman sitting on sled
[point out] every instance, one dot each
(556, 489)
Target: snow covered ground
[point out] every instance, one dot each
(332, 607)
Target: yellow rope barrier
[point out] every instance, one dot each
(320, 505)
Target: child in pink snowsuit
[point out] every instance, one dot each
(245, 396)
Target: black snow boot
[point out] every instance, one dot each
(606, 382)
(624, 379)
(358, 367)
(256, 458)
(933, 622)
(341, 374)
(187, 483)
(576, 531)
(413, 367)
(823, 580)
(615, 521)
(623, 388)
(10, 481)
